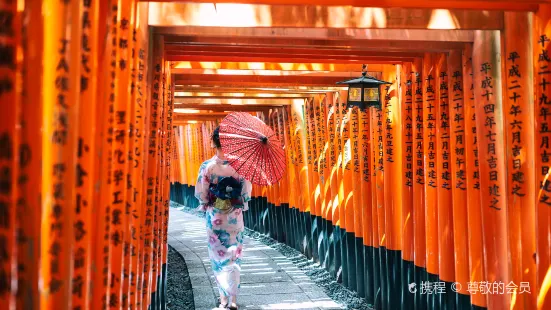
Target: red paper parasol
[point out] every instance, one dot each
(252, 148)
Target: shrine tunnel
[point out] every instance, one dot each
(437, 199)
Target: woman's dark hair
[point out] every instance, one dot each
(216, 137)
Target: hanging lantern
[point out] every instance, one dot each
(364, 92)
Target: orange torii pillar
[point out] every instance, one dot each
(491, 154)
(541, 44)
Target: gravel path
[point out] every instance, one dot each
(314, 271)
(179, 292)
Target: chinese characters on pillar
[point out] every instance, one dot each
(543, 113)
(331, 109)
(309, 133)
(458, 127)
(408, 133)
(514, 89)
(444, 131)
(389, 138)
(418, 129)
(490, 133)
(313, 135)
(430, 121)
(355, 131)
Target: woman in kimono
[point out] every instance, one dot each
(223, 195)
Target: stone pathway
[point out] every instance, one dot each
(268, 279)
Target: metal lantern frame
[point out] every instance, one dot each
(365, 91)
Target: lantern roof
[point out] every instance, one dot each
(364, 79)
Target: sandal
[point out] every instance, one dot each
(221, 305)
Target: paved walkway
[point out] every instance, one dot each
(268, 279)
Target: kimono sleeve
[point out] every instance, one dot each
(202, 187)
(246, 194)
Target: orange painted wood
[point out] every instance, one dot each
(489, 126)
(61, 84)
(331, 110)
(340, 112)
(86, 150)
(119, 223)
(474, 213)
(131, 210)
(313, 171)
(347, 169)
(284, 183)
(418, 164)
(296, 151)
(518, 101)
(380, 195)
(392, 157)
(257, 57)
(406, 106)
(430, 146)
(154, 139)
(324, 152)
(29, 215)
(377, 184)
(446, 265)
(138, 157)
(540, 44)
(358, 208)
(458, 142)
(10, 137)
(366, 197)
(448, 4)
(104, 117)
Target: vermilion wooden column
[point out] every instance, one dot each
(138, 154)
(378, 206)
(419, 179)
(10, 140)
(446, 270)
(430, 148)
(392, 157)
(366, 201)
(152, 170)
(118, 228)
(474, 212)
(518, 104)
(61, 82)
(86, 149)
(458, 142)
(406, 98)
(491, 148)
(29, 207)
(541, 35)
(408, 147)
(392, 164)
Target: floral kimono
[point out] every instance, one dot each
(224, 229)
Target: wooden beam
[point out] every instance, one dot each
(225, 107)
(275, 89)
(286, 66)
(367, 44)
(192, 117)
(351, 34)
(349, 74)
(504, 5)
(239, 95)
(250, 80)
(339, 15)
(265, 51)
(288, 58)
(239, 101)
